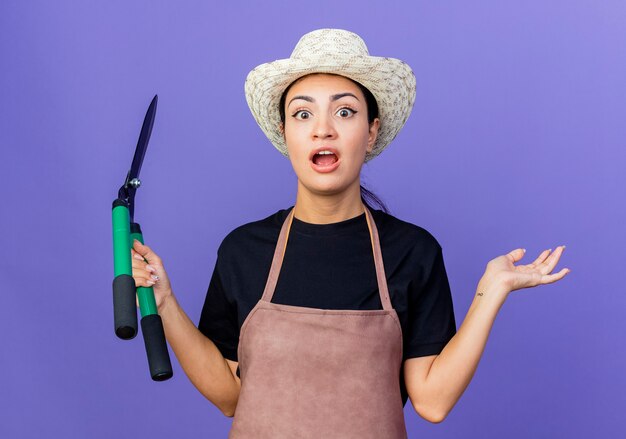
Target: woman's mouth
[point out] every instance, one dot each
(324, 162)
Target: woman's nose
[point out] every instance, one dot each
(324, 128)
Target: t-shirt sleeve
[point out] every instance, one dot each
(218, 320)
(431, 313)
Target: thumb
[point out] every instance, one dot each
(146, 252)
(516, 255)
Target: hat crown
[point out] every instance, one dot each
(329, 41)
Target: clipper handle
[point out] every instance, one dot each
(152, 326)
(124, 306)
(156, 347)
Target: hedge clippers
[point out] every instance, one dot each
(125, 293)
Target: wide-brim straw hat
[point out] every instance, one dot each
(339, 52)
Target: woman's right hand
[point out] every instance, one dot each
(144, 272)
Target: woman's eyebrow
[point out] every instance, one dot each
(332, 98)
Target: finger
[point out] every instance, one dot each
(143, 266)
(550, 278)
(141, 281)
(139, 264)
(516, 255)
(549, 264)
(135, 255)
(144, 275)
(147, 253)
(542, 257)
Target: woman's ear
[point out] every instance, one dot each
(281, 128)
(373, 134)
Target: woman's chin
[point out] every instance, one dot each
(323, 185)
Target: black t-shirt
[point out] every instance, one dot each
(331, 266)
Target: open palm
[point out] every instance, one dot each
(515, 277)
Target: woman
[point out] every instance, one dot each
(323, 337)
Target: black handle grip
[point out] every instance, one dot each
(156, 347)
(125, 306)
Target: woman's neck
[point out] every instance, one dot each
(325, 209)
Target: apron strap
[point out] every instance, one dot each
(378, 261)
(281, 245)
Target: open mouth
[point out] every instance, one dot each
(324, 159)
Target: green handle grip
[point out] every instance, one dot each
(124, 308)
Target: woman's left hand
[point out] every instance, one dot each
(502, 270)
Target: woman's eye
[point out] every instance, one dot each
(302, 114)
(346, 112)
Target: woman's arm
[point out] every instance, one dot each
(202, 361)
(435, 383)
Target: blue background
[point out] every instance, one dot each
(516, 140)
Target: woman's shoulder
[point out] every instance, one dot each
(249, 235)
(392, 228)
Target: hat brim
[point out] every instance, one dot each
(390, 80)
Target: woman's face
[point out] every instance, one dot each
(327, 112)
